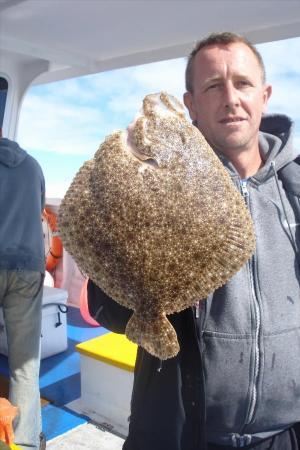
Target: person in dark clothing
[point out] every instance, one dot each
(235, 382)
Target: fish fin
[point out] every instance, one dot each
(157, 336)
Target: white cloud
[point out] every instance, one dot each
(57, 189)
(282, 63)
(74, 116)
(148, 78)
(142, 80)
(281, 57)
(286, 98)
(297, 142)
(62, 127)
(166, 75)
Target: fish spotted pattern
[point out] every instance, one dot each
(155, 221)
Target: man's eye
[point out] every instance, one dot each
(212, 86)
(244, 83)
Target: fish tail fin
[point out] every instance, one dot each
(157, 336)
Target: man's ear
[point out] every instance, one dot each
(189, 103)
(266, 95)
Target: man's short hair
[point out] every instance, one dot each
(224, 38)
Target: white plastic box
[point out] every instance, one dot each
(54, 323)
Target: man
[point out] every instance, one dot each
(235, 382)
(22, 269)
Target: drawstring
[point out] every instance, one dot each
(283, 207)
(97, 314)
(159, 367)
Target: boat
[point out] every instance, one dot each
(49, 40)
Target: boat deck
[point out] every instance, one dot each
(60, 385)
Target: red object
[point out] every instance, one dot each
(7, 414)
(84, 310)
(56, 247)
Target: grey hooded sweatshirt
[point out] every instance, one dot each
(22, 197)
(251, 331)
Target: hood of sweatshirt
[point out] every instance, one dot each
(275, 143)
(11, 154)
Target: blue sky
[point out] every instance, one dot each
(62, 124)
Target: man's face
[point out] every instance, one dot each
(228, 97)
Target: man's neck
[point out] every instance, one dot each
(247, 163)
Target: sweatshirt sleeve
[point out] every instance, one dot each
(105, 310)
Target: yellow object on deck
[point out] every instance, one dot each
(111, 348)
(4, 446)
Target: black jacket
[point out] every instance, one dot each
(167, 407)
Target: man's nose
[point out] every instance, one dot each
(231, 96)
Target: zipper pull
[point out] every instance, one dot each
(197, 310)
(244, 189)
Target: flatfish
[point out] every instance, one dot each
(155, 221)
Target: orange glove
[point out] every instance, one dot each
(7, 414)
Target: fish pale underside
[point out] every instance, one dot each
(155, 221)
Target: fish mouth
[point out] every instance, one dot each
(230, 120)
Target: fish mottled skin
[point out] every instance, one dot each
(155, 221)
